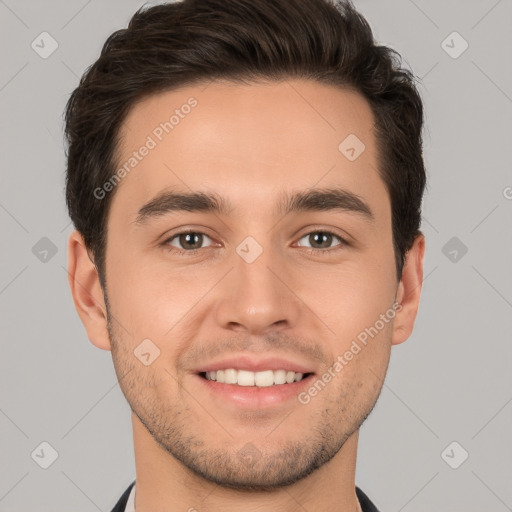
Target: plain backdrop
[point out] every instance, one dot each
(439, 438)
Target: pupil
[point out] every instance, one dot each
(325, 236)
(188, 237)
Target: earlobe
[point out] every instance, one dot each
(409, 291)
(86, 291)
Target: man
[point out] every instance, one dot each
(245, 178)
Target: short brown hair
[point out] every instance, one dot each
(192, 41)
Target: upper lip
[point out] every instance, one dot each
(246, 362)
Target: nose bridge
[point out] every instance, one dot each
(255, 296)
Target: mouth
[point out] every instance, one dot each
(245, 390)
(260, 379)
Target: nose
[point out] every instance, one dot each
(258, 297)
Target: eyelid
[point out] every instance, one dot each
(314, 228)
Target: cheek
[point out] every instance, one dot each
(353, 297)
(357, 306)
(152, 302)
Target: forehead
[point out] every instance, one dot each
(247, 142)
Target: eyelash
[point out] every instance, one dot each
(310, 250)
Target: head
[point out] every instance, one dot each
(258, 116)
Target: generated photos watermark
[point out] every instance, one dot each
(152, 140)
(355, 348)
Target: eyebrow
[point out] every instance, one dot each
(319, 199)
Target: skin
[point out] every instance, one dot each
(249, 144)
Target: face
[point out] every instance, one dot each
(262, 282)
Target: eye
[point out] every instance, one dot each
(323, 239)
(187, 241)
(190, 241)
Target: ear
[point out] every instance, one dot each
(86, 291)
(409, 290)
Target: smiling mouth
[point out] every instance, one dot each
(245, 378)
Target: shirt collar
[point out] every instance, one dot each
(130, 504)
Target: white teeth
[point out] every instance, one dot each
(261, 379)
(245, 378)
(230, 376)
(279, 376)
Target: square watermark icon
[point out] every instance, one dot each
(454, 455)
(44, 45)
(44, 455)
(454, 45)
(351, 147)
(454, 249)
(44, 250)
(146, 352)
(249, 454)
(249, 249)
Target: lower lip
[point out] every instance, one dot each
(255, 397)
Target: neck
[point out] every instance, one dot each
(163, 482)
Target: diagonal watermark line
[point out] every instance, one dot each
(282, 421)
(14, 218)
(14, 76)
(97, 402)
(310, 105)
(13, 423)
(431, 272)
(66, 226)
(388, 388)
(200, 404)
(493, 287)
(295, 499)
(430, 224)
(14, 485)
(70, 70)
(485, 15)
(209, 83)
(424, 14)
(88, 497)
(210, 491)
(301, 300)
(13, 279)
(75, 15)
(494, 209)
(403, 506)
(492, 81)
(199, 300)
(499, 411)
(13, 13)
(434, 66)
(491, 491)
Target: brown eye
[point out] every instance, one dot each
(320, 240)
(188, 240)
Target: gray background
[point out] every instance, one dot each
(451, 381)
